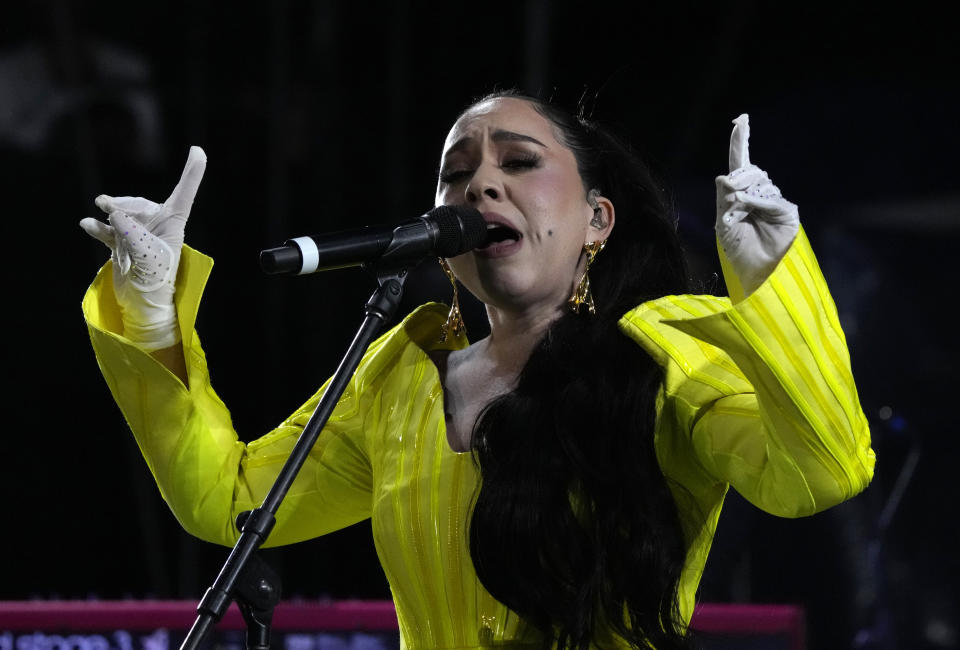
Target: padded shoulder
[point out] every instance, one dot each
(691, 365)
(421, 327)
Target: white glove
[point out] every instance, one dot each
(755, 224)
(145, 240)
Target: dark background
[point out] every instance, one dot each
(327, 115)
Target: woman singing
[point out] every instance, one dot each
(558, 482)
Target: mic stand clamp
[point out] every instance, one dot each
(257, 593)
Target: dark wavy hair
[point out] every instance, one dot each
(574, 526)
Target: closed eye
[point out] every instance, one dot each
(454, 175)
(525, 161)
(513, 163)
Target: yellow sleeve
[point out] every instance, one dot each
(205, 474)
(761, 391)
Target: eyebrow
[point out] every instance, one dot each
(500, 135)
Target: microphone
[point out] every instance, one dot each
(445, 231)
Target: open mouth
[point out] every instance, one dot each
(497, 233)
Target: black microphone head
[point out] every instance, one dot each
(285, 259)
(461, 229)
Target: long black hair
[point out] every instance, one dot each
(574, 526)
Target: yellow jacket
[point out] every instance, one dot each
(757, 395)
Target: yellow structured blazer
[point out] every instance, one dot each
(757, 395)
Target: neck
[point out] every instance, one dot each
(513, 335)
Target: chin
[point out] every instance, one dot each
(512, 287)
(498, 288)
(517, 299)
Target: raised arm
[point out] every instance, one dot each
(140, 311)
(799, 442)
(759, 391)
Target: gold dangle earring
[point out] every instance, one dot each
(582, 295)
(454, 324)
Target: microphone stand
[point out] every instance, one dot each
(244, 576)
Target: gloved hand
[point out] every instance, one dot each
(144, 239)
(755, 224)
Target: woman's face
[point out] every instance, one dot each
(503, 158)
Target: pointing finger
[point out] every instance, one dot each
(183, 194)
(739, 143)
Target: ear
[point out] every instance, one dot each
(601, 221)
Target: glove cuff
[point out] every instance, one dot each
(754, 264)
(151, 326)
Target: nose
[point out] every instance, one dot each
(483, 183)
